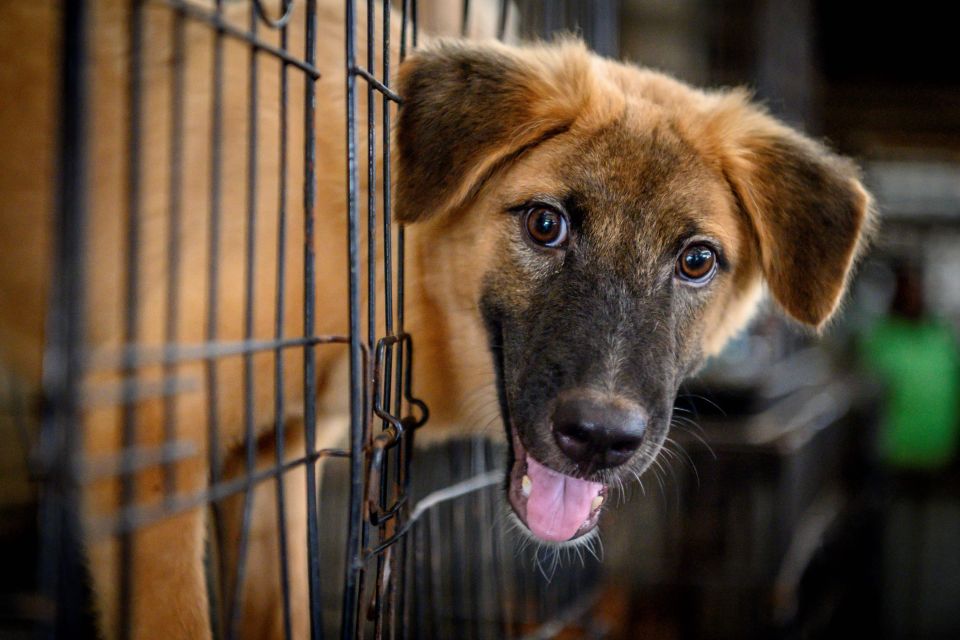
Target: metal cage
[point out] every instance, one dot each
(396, 572)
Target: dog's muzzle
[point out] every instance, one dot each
(594, 433)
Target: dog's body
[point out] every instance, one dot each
(499, 147)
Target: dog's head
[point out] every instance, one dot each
(617, 227)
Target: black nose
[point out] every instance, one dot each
(598, 434)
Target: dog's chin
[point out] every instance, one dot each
(553, 507)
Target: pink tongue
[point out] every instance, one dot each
(558, 505)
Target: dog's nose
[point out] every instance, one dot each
(597, 434)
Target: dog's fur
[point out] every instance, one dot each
(640, 162)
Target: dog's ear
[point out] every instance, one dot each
(469, 109)
(806, 205)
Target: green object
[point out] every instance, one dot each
(919, 362)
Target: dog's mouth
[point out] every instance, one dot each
(555, 507)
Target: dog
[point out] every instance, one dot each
(581, 235)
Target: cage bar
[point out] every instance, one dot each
(399, 565)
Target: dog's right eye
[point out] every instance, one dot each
(546, 227)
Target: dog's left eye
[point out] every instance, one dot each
(546, 227)
(697, 264)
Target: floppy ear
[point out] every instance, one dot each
(806, 205)
(468, 110)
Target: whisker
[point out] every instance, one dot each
(656, 474)
(685, 457)
(689, 422)
(695, 396)
(701, 439)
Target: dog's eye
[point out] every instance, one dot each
(697, 264)
(546, 226)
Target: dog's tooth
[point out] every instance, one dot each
(596, 503)
(526, 484)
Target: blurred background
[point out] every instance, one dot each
(813, 485)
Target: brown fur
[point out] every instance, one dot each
(484, 128)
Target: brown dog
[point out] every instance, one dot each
(609, 228)
(583, 234)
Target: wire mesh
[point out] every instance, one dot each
(194, 383)
(82, 376)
